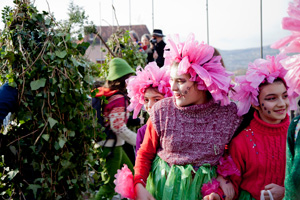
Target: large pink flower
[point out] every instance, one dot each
(124, 183)
(151, 76)
(197, 59)
(227, 167)
(210, 187)
(247, 89)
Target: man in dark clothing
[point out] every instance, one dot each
(159, 45)
(8, 101)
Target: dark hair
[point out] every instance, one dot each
(249, 116)
(118, 84)
(217, 53)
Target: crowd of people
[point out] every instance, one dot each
(207, 136)
(152, 45)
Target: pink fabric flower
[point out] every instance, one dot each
(227, 167)
(124, 183)
(210, 187)
(247, 89)
(291, 44)
(197, 59)
(151, 76)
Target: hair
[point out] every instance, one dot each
(217, 53)
(146, 36)
(249, 115)
(118, 84)
(155, 89)
(134, 35)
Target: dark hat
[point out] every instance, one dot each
(158, 32)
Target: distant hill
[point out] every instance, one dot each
(237, 60)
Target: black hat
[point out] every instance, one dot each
(158, 32)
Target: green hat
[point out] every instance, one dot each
(118, 67)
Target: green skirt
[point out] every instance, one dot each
(178, 182)
(244, 195)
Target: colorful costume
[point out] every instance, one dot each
(290, 44)
(115, 116)
(150, 77)
(259, 153)
(259, 150)
(192, 138)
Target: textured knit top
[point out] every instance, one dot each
(259, 153)
(194, 134)
(292, 176)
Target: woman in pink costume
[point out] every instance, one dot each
(149, 86)
(186, 134)
(291, 44)
(259, 149)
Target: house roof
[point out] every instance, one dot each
(107, 31)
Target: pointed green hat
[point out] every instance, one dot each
(118, 67)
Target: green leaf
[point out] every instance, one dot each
(48, 21)
(13, 149)
(52, 122)
(61, 142)
(72, 134)
(34, 188)
(46, 137)
(61, 54)
(12, 174)
(37, 84)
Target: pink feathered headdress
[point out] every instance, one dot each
(260, 71)
(291, 44)
(197, 59)
(151, 76)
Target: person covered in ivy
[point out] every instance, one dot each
(113, 115)
(8, 102)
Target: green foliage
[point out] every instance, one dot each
(48, 150)
(122, 46)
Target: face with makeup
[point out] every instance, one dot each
(151, 97)
(185, 91)
(274, 102)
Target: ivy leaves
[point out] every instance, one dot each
(50, 144)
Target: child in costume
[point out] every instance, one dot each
(149, 86)
(186, 134)
(259, 149)
(290, 44)
(115, 116)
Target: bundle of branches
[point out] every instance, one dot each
(47, 150)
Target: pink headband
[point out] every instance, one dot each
(260, 71)
(291, 44)
(151, 76)
(197, 59)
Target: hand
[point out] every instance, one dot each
(212, 196)
(142, 193)
(155, 55)
(227, 188)
(276, 190)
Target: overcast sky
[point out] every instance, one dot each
(233, 24)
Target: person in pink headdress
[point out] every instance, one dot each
(259, 149)
(149, 86)
(291, 44)
(186, 134)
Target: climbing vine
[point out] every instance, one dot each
(47, 151)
